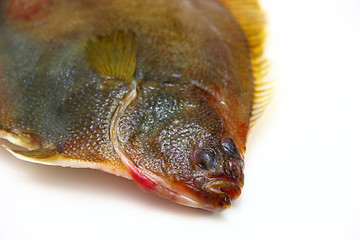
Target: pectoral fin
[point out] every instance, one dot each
(52, 157)
(44, 156)
(113, 57)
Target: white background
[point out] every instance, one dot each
(302, 164)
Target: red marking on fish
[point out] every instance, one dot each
(142, 181)
(28, 10)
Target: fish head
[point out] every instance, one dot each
(175, 144)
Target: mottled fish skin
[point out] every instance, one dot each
(178, 127)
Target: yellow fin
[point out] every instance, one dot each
(41, 155)
(113, 57)
(53, 158)
(252, 20)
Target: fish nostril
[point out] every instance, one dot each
(225, 201)
(228, 171)
(233, 169)
(199, 181)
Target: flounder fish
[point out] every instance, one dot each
(162, 92)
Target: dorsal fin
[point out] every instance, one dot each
(113, 57)
(252, 20)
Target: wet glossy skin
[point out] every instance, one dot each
(183, 133)
(172, 131)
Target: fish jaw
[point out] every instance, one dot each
(152, 183)
(216, 195)
(210, 193)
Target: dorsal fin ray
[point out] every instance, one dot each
(252, 20)
(113, 56)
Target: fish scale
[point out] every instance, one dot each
(160, 92)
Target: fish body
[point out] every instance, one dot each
(161, 92)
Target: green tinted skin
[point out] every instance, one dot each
(185, 74)
(165, 125)
(169, 129)
(53, 96)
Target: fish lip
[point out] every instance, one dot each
(224, 186)
(215, 193)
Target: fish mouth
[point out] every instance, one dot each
(210, 193)
(220, 193)
(214, 194)
(222, 186)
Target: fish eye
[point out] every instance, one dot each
(230, 147)
(206, 158)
